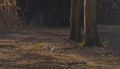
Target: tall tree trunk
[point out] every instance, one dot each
(90, 28)
(78, 20)
(73, 21)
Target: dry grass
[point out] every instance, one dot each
(25, 49)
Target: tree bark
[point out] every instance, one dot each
(73, 21)
(90, 26)
(78, 20)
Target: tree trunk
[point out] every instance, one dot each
(73, 21)
(78, 20)
(90, 27)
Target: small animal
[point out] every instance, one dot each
(52, 49)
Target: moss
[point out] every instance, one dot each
(81, 44)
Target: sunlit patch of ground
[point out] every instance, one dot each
(25, 49)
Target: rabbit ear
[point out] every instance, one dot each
(47, 47)
(53, 48)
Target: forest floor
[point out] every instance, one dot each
(25, 49)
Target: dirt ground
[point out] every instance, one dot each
(25, 49)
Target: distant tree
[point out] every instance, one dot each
(90, 26)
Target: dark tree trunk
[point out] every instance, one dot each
(78, 20)
(90, 26)
(73, 21)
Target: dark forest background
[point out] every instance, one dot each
(56, 12)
